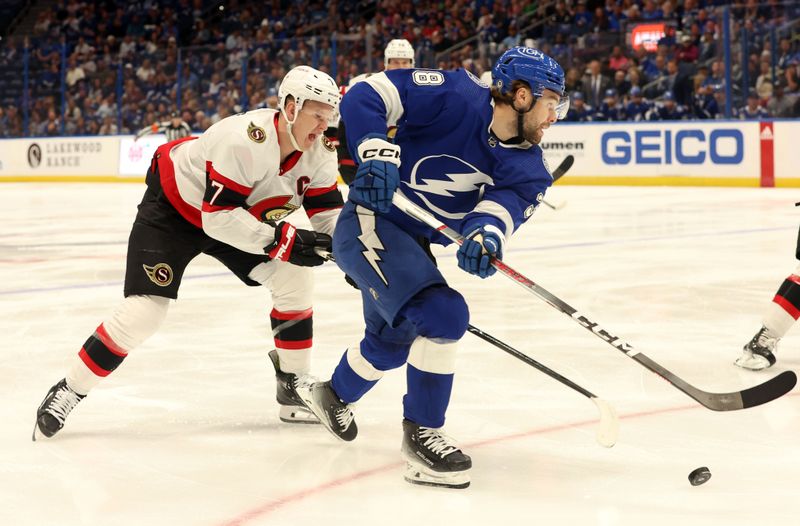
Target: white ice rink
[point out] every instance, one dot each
(186, 431)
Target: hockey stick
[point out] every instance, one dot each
(559, 172)
(606, 434)
(559, 206)
(760, 394)
(562, 168)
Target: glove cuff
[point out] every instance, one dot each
(377, 148)
(488, 229)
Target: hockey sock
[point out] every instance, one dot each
(293, 333)
(430, 372)
(135, 320)
(785, 307)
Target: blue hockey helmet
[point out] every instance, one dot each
(534, 67)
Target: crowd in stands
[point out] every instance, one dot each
(209, 63)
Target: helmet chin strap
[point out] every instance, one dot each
(520, 118)
(289, 125)
(291, 137)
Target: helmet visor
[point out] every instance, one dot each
(562, 107)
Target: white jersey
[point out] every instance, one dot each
(230, 181)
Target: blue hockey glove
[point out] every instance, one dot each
(378, 176)
(478, 247)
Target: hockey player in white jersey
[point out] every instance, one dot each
(399, 54)
(226, 194)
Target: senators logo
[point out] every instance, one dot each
(256, 133)
(160, 274)
(328, 144)
(273, 209)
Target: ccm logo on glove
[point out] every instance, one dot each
(378, 149)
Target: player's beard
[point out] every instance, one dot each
(533, 133)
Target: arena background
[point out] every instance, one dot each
(78, 79)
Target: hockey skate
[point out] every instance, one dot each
(759, 353)
(293, 409)
(432, 458)
(53, 411)
(335, 415)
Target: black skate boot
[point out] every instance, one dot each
(759, 352)
(334, 414)
(293, 408)
(53, 411)
(432, 458)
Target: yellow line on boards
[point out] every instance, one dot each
(70, 179)
(752, 182)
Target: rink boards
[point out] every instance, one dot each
(682, 153)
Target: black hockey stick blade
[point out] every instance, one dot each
(562, 168)
(769, 390)
(758, 394)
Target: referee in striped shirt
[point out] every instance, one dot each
(174, 128)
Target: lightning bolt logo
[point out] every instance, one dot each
(469, 179)
(370, 240)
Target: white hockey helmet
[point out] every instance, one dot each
(306, 83)
(398, 48)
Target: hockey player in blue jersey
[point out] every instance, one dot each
(474, 164)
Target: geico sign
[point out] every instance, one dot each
(692, 146)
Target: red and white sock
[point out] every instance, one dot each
(785, 307)
(293, 333)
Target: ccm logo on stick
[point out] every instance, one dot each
(725, 146)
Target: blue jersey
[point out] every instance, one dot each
(451, 162)
(637, 111)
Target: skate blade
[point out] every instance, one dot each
(292, 414)
(37, 434)
(752, 362)
(425, 477)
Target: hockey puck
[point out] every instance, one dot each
(699, 476)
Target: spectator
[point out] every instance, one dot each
(650, 11)
(595, 84)
(616, 18)
(666, 82)
(688, 51)
(708, 47)
(578, 110)
(582, 20)
(637, 107)
(752, 110)
(781, 105)
(621, 84)
(705, 104)
(109, 127)
(52, 126)
(145, 71)
(572, 80)
(75, 72)
(513, 38)
(668, 110)
(610, 109)
(618, 61)
(786, 55)
(764, 81)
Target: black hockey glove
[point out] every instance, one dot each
(299, 247)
